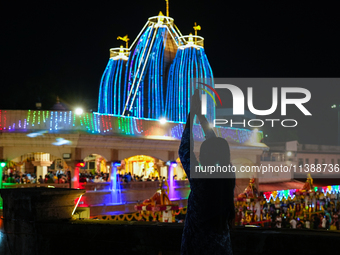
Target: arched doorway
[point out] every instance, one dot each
(143, 166)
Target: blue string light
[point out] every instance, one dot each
(190, 63)
(148, 84)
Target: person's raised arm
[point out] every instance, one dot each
(208, 131)
(186, 148)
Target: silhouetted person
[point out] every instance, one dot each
(211, 201)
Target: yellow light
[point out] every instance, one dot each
(197, 27)
(125, 39)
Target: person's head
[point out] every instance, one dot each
(214, 151)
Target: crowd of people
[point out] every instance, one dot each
(55, 177)
(104, 177)
(61, 176)
(15, 177)
(96, 177)
(128, 177)
(328, 219)
(290, 215)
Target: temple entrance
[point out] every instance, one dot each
(143, 166)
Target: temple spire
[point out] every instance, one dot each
(196, 27)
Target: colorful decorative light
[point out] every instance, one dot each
(111, 87)
(291, 193)
(104, 124)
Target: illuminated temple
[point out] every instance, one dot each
(149, 81)
(154, 78)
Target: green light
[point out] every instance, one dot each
(3, 164)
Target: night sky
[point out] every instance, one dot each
(62, 49)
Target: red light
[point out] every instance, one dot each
(80, 164)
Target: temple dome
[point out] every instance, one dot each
(146, 81)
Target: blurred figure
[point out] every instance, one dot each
(40, 180)
(323, 222)
(299, 223)
(278, 221)
(293, 223)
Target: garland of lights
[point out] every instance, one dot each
(111, 85)
(66, 121)
(291, 192)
